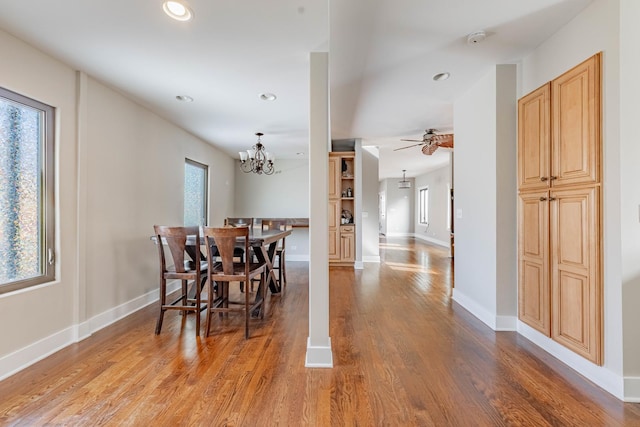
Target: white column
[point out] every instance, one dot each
(319, 343)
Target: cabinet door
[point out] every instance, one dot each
(334, 245)
(576, 125)
(534, 139)
(533, 259)
(334, 177)
(347, 243)
(575, 264)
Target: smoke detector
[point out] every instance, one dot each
(476, 37)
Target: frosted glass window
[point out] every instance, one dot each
(26, 192)
(195, 193)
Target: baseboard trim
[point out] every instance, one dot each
(632, 389)
(371, 258)
(297, 257)
(32, 353)
(319, 356)
(604, 378)
(358, 265)
(431, 240)
(497, 323)
(20, 359)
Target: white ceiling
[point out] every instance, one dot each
(383, 55)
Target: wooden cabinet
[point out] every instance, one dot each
(533, 262)
(575, 276)
(341, 208)
(559, 251)
(347, 243)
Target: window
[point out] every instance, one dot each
(27, 219)
(423, 203)
(195, 193)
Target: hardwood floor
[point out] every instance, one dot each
(404, 355)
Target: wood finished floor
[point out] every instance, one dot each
(404, 355)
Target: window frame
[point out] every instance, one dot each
(423, 206)
(47, 211)
(205, 190)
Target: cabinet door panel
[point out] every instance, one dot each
(576, 125)
(533, 259)
(575, 264)
(334, 177)
(534, 139)
(334, 244)
(347, 241)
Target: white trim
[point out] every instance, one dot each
(27, 356)
(474, 308)
(431, 240)
(371, 258)
(358, 265)
(601, 376)
(399, 235)
(297, 257)
(319, 356)
(632, 389)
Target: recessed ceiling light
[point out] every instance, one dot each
(441, 76)
(268, 96)
(184, 98)
(177, 10)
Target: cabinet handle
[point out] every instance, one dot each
(553, 177)
(542, 199)
(551, 199)
(543, 178)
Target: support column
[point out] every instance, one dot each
(319, 353)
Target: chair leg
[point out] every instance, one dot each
(209, 306)
(197, 312)
(163, 301)
(263, 286)
(247, 314)
(283, 270)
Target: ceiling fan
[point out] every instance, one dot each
(430, 141)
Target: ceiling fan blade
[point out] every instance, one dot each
(428, 150)
(413, 140)
(408, 146)
(444, 140)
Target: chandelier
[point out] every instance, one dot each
(257, 159)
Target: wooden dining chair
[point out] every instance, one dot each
(174, 265)
(279, 264)
(224, 270)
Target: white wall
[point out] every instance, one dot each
(256, 197)
(134, 179)
(630, 194)
(369, 211)
(475, 198)
(439, 183)
(400, 208)
(120, 170)
(597, 29)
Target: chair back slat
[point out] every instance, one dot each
(225, 240)
(176, 240)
